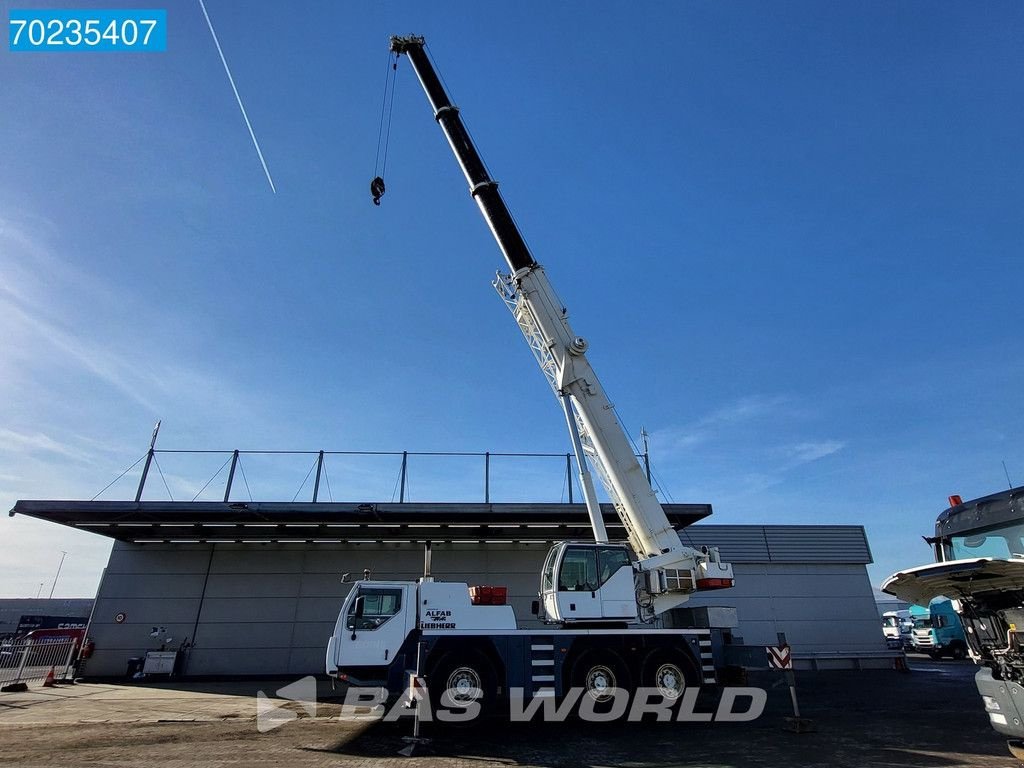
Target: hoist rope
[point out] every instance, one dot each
(387, 107)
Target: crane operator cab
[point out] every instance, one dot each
(588, 582)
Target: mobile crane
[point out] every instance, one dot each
(603, 597)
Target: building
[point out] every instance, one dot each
(255, 588)
(12, 610)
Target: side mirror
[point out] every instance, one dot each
(535, 607)
(360, 606)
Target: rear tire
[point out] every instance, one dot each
(601, 674)
(670, 672)
(959, 652)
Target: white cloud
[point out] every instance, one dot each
(712, 425)
(804, 453)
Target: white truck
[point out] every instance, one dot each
(600, 602)
(979, 567)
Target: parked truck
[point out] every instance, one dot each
(979, 565)
(600, 602)
(896, 627)
(937, 631)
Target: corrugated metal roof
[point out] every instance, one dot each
(783, 543)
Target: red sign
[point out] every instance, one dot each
(780, 657)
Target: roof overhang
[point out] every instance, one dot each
(321, 522)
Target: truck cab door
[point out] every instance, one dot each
(376, 623)
(578, 597)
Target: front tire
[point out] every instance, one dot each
(460, 680)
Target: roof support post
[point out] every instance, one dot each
(568, 474)
(231, 476)
(401, 491)
(487, 478)
(149, 460)
(319, 469)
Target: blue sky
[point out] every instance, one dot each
(791, 232)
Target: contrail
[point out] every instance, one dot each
(237, 97)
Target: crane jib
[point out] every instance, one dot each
(483, 188)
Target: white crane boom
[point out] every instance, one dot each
(599, 439)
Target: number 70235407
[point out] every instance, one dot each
(51, 31)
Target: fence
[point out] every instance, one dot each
(390, 471)
(24, 661)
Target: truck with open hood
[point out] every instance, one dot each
(979, 553)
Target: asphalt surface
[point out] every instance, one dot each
(931, 716)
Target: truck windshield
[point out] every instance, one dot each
(1000, 543)
(923, 622)
(890, 621)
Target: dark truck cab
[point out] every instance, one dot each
(979, 551)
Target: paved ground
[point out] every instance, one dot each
(931, 717)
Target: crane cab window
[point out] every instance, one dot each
(585, 569)
(609, 560)
(379, 605)
(579, 570)
(547, 582)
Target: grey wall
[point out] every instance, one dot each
(269, 608)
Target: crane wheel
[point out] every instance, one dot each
(460, 681)
(601, 675)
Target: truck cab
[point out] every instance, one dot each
(937, 630)
(375, 637)
(979, 553)
(897, 626)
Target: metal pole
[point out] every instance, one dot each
(319, 469)
(149, 460)
(24, 657)
(487, 478)
(797, 723)
(63, 554)
(401, 492)
(71, 655)
(586, 483)
(231, 475)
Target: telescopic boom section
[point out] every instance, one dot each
(481, 186)
(598, 438)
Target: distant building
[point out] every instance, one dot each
(12, 610)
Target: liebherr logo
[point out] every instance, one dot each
(271, 714)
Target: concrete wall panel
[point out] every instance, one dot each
(269, 608)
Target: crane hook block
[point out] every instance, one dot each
(377, 189)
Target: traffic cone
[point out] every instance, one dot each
(48, 682)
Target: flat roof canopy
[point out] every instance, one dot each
(186, 522)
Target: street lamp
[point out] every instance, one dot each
(63, 554)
